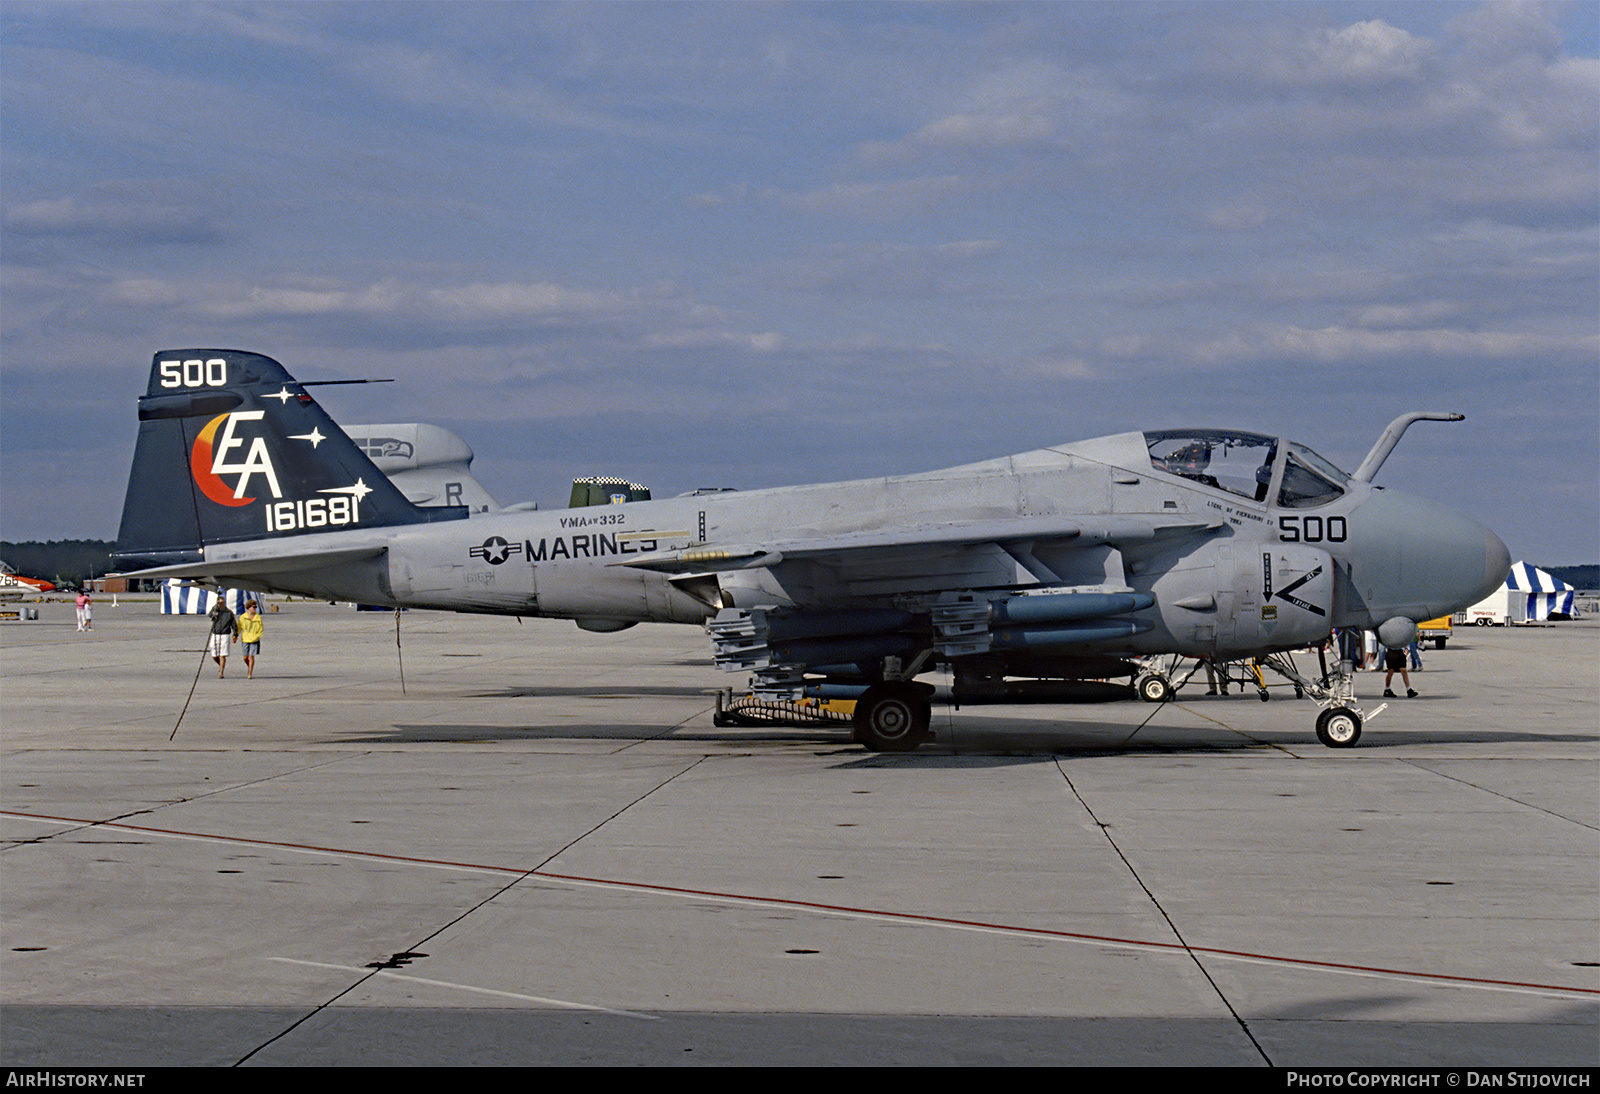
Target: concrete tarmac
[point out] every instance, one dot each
(541, 851)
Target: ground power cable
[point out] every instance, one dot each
(197, 669)
(398, 656)
(1170, 697)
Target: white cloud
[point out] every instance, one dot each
(1408, 316)
(467, 303)
(1070, 368)
(401, 314)
(1028, 106)
(145, 293)
(763, 343)
(439, 78)
(122, 214)
(963, 133)
(885, 270)
(1371, 52)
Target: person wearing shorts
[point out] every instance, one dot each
(1395, 661)
(250, 628)
(224, 632)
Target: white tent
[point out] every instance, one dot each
(178, 598)
(1545, 594)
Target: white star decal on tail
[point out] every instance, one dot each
(358, 491)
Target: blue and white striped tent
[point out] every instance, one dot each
(1545, 593)
(178, 598)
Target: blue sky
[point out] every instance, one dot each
(753, 244)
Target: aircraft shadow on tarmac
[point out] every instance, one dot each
(622, 731)
(972, 735)
(589, 691)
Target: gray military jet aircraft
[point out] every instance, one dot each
(1210, 543)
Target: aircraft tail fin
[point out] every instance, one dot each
(232, 448)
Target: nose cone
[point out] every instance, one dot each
(1496, 565)
(1417, 559)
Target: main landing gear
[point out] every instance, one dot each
(889, 716)
(1154, 688)
(893, 717)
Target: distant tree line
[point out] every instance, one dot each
(1579, 577)
(72, 561)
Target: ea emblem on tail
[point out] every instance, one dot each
(208, 460)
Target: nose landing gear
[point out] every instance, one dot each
(1339, 727)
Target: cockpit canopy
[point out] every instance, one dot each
(1244, 464)
(1309, 480)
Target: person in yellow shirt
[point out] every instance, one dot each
(250, 628)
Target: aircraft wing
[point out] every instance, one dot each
(1074, 555)
(911, 539)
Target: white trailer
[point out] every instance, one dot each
(1500, 608)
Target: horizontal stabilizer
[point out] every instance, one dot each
(278, 571)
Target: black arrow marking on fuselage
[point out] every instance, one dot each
(1283, 593)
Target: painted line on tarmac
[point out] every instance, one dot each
(519, 996)
(848, 911)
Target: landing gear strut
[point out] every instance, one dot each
(1339, 724)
